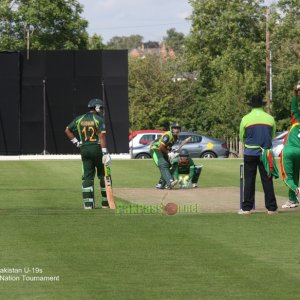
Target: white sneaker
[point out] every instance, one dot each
(173, 183)
(159, 186)
(88, 207)
(244, 212)
(272, 212)
(289, 204)
(195, 185)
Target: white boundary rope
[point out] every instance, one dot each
(56, 157)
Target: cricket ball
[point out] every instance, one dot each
(171, 208)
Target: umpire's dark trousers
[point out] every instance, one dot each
(250, 169)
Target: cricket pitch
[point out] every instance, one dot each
(209, 200)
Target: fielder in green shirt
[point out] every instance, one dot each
(87, 132)
(184, 165)
(290, 155)
(161, 151)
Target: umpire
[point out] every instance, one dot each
(257, 129)
(87, 132)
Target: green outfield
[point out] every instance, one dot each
(53, 249)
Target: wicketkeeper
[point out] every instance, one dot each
(162, 154)
(184, 166)
(290, 155)
(87, 132)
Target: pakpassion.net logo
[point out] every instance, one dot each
(162, 209)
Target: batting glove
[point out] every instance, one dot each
(76, 142)
(172, 155)
(106, 159)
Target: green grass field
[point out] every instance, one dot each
(102, 255)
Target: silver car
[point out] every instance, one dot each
(200, 146)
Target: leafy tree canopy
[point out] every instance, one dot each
(125, 42)
(51, 24)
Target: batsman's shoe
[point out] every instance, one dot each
(88, 203)
(272, 212)
(88, 206)
(159, 186)
(245, 212)
(171, 185)
(194, 185)
(289, 204)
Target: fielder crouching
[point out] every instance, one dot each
(185, 171)
(90, 130)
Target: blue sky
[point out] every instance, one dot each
(148, 18)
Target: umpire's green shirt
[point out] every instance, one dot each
(257, 130)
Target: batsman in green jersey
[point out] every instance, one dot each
(162, 155)
(184, 165)
(290, 155)
(87, 132)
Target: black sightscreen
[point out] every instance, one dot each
(10, 103)
(42, 95)
(114, 86)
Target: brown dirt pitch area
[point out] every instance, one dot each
(208, 200)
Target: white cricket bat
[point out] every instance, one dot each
(183, 143)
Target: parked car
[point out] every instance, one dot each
(144, 137)
(277, 143)
(200, 146)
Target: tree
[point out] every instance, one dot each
(52, 24)
(285, 32)
(223, 64)
(227, 48)
(95, 42)
(174, 40)
(125, 42)
(156, 99)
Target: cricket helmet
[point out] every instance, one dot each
(175, 125)
(96, 103)
(184, 152)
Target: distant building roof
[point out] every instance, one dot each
(152, 48)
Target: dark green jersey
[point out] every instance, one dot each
(293, 138)
(87, 127)
(167, 139)
(183, 167)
